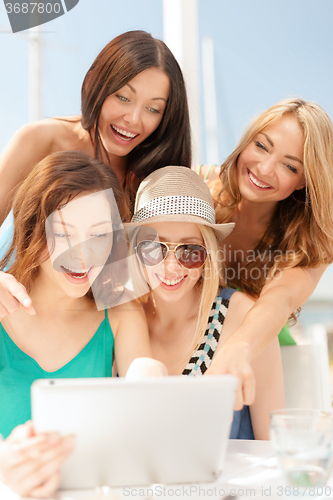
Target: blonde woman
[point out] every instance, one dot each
(277, 187)
(174, 236)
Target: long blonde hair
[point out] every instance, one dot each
(208, 283)
(301, 228)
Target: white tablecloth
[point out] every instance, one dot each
(250, 472)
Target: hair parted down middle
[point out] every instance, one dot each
(52, 183)
(301, 229)
(119, 62)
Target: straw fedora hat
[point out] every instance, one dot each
(176, 194)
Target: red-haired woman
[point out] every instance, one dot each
(67, 215)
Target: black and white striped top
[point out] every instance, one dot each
(202, 358)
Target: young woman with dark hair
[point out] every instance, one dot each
(134, 118)
(123, 59)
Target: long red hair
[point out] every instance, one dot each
(53, 182)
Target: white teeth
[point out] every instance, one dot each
(123, 132)
(77, 271)
(170, 282)
(265, 186)
(74, 270)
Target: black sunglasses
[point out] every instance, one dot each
(152, 252)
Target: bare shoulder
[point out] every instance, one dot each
(29, 145)
(35, 136)
(131, 305)
(126, 313)
(38, 138)
(52, 135)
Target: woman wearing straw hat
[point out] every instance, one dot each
(174, 236)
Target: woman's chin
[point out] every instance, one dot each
(77, 293)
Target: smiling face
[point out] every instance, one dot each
(270, 168)
(79, 237)
(131, 114)
(169, 279)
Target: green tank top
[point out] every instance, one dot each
(18, 371)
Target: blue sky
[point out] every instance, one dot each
(264, 51)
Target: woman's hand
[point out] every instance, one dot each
(146, 367)
(234, 359)
(30, 462)
(12, 295)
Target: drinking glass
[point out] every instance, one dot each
(303, 443)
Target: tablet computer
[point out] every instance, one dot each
(128, 433)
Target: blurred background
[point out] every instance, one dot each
(238, 57)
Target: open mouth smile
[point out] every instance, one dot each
(170, 284)
(258, 183)
(123, 134)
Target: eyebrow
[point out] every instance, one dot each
(286, 156)
(153, 99)
(66, 224)
(294, 158)
(182, 240)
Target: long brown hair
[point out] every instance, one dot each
(52, 183)
(119, 62)
(300, 232)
